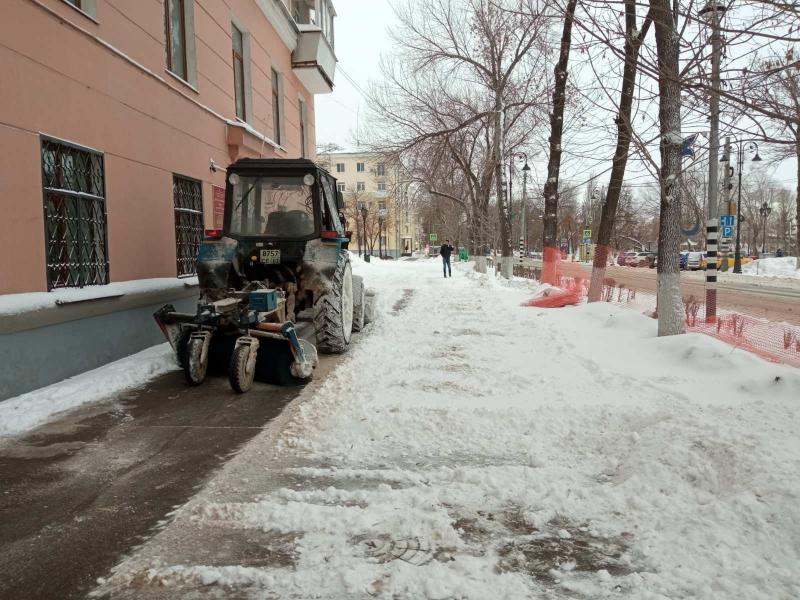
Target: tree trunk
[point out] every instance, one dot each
(550, 241)
(797, 203)
(501, 187)
(633, 42)
(481, 222)
(670, 304)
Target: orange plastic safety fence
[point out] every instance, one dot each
(762, 318)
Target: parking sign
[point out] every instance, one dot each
(727, 221)
(727, 231)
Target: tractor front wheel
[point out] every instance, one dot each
(196, 364)
(243, 365)
(333, 311)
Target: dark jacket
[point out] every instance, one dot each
(446, 250)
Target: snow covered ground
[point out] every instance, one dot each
(468, 447)
(785, 266)
(26, 411)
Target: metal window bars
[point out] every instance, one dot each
(75, 215)
(188, 197)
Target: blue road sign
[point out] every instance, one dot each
(727, 231)
(727, 220)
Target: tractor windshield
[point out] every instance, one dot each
(279, 207)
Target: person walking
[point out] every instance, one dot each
(445, 251)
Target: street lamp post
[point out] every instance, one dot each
(740, 148)
(364, 229)
(522, 225)
(764, 211)
(381, 217)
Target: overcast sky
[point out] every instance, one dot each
(361, 35)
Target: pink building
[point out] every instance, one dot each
(125, 108)
(117, 119)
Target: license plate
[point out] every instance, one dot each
(271, 257)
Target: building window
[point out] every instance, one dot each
(87, 7)
(340, 167)
(361, 205)
(175, 17)
(75, 215)
(277, 117)
(361, 186)
(188, 197)
(303, 127)
(382, 205)
(381, 186)
(340, 186)
(238, 71)
(360, 167)
(381, 169)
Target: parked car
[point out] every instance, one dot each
(731, 261)
(694, 261)
(624, 258)
(640, 259)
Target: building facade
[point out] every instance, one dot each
(390, 225)
(118, 126)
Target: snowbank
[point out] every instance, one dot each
(34, 408)
(785, 266)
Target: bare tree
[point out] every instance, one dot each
(464, 82)
(634, 37)
(775, 87)
(670, 304)
(551, 250)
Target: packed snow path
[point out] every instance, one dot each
(469, 447)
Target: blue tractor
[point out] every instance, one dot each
(279, 264)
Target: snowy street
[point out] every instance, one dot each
(469, 447)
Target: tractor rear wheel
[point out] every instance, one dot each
(333, 311)
(359, 303)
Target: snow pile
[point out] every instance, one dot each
(472, 448)
(34, 408)
(785, 266)
(12, 304)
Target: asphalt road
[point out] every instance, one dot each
(758, 297)
(78, 493)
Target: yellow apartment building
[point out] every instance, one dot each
(379, 211)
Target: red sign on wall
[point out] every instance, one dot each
(219, 205)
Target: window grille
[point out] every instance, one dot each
(75, 215)
(188, 196)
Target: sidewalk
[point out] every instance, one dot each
(472, 448)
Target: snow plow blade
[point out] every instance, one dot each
(282, 358)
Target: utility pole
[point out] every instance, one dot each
(523, 226)
(715, 10)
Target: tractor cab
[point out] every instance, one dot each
(281, 204)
